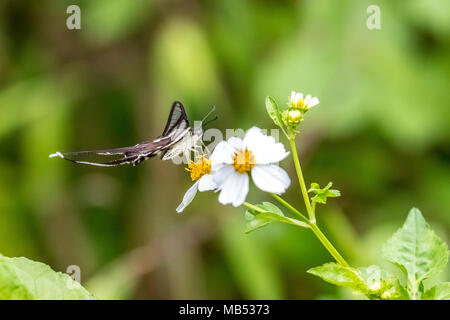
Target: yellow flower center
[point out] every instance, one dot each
(243, 161)
(199, 169)
(300, 104)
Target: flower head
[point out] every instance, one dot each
(294, 116)
(199, 168)
(243, 161)
(200, 172)
(256, 154)
(296, 101)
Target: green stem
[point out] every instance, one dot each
(311, 209)
(301, 181)
(252, 206)
(290, 207)
(327, 244)
(323, 239)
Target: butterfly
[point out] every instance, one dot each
(177, 138)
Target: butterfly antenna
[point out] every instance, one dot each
(213, 108)
(211, 120)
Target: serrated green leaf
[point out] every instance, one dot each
(439, 292)
(372, 281)
(256, 219)
(273, 111)
(23, 279)
(416, 250)
(339, 275)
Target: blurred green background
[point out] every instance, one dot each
(380, 133)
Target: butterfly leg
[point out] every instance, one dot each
(206, 148)
(138, 160)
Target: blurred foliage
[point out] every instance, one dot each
(23, 279)
(414, 249)
(381, 133)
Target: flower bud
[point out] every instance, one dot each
(294, 116)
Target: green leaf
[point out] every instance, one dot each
(256, 219)
(273, 111)
(381, 285)
(321, 195)
(416, 250)
(372, 281)
(339, 275)
(439, 292)
(23, 279)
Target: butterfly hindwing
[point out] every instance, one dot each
(118, 156)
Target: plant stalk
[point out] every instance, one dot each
(327, 244)
(311, 210)
(290, 207)
(301, 181)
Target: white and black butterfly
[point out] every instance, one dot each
(177, 138)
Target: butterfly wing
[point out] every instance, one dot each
(115, 157)
(176, 128)
(177, 120)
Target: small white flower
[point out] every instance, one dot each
(296, 101)
(200, 172)
(256, 153)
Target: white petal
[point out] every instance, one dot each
(292, 98)
(314, 102)
(235, 189)
(265, 148)
(188, 197)
(236, 143)
(270, 178)
(206, 183)
(221, 175)
(298, 96)
(223, 153)
(307, 100)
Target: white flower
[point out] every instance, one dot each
(200, 172)
(296, 101)
(256, 153)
